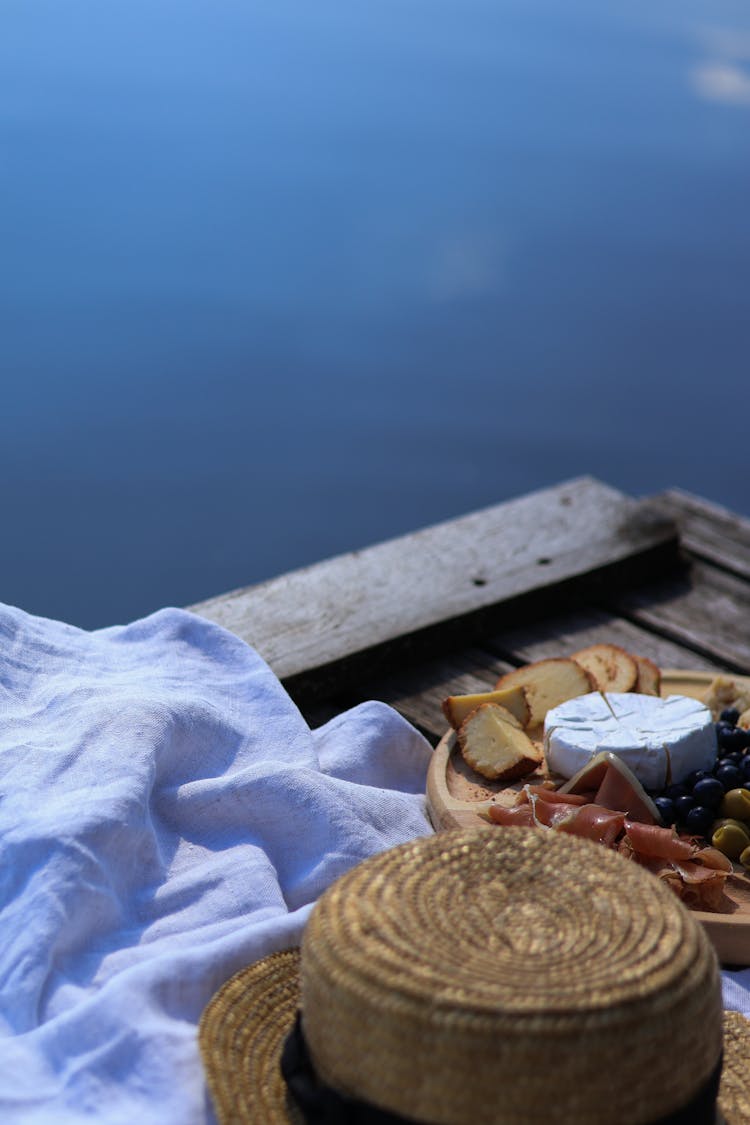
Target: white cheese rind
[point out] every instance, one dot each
(661, 740)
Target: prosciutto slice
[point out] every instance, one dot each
(656, 843)
(522, 816)
(696, 882)
(593, 822)
(696, 874)
(536, 808)
(555, 795)
(615, 786)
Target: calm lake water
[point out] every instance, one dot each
(279, 280)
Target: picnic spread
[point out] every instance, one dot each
(187, 800)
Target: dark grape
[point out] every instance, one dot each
(708, 792)
(692, 804)
(729, 776)
(693, 778)
(666, 809)
(699, 820)
(732, 738)
(683, 805)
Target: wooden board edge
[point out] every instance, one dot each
(444, 810)
(729, 935)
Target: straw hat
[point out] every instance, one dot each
(478, 976)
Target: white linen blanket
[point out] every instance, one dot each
(166, 817)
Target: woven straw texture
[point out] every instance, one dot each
(496, 977)
(241, 1034)
(244, 1027)
(481, 976)
(734, 1094)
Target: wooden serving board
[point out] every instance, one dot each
(457, 796)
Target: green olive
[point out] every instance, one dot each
(745, 857)
(731, 840)
(737, 824)
(736, 804)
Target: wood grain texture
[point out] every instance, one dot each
(707, 610)
(708, 530)
(565, 634)
(332, 623)
(418, 693)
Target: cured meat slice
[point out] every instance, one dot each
(554, 795)
(712, 857)
(615, 786)
(522, 816)
(534, 812)
(696, 874)
(658, 843)
(592, 822)
(698, 886)
(702, 887)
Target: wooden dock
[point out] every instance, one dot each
(447, 609)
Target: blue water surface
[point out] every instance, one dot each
(279, 280)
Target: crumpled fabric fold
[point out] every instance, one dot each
(166, 818)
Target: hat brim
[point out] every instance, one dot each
(734, 1092)
(244, 1026)
(241, 1036)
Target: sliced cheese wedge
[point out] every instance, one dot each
(494, 745)
(661, 740)
(456, 708)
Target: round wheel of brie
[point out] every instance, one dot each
(661, 740)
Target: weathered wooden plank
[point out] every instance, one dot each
(418, 693)
(563, 635)
(707, 610)
(443, 586)
(708, 530)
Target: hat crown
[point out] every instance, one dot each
(495, 975)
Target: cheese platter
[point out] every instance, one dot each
(458, 796)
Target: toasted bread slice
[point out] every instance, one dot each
(547, 683)
(610, 667)
(456, 708)
(649, 676)
(494, 745)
